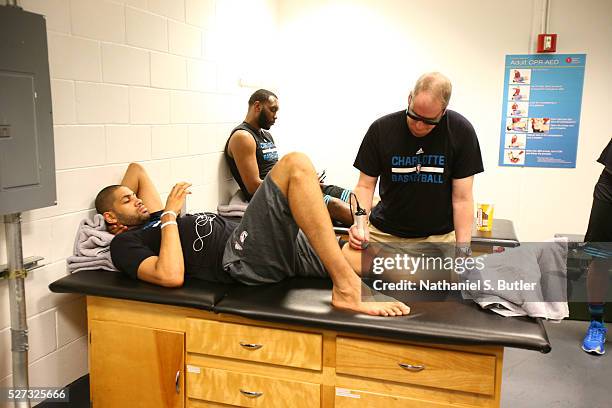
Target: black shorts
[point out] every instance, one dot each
(268, 246)
(599, 231)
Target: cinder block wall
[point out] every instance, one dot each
(153, 81)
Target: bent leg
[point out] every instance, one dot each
(337, 205)
(338, 192)
(297, 179)
(339, 211)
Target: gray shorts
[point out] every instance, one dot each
(268, 246)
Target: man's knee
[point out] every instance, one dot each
(296, 159)
(296, 163)
(290, 168)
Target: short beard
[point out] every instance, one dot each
(263, 122)
(130, 221)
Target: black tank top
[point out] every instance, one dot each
(266, 155)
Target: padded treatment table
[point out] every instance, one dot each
(283, 345)
(195, 293)
(308, 302)
(502, 234)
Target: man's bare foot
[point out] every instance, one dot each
(351, 300)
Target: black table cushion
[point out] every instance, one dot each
(502, 234)
(194, 293)
(306, 302)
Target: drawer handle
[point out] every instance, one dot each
(251, 394)
(411, 367)
(251, 346)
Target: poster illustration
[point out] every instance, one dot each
(541, 110)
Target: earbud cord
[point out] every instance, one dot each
(359, 209)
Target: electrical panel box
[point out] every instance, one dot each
(27, 159)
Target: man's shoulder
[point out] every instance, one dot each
(387, 123)
(391, 118)
(455, 119)
(241, 138)
(125, 237)
(243, 128)
(459, 128)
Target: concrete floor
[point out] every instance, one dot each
(565, 377)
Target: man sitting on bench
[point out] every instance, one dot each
(286, 231)
(250, 153)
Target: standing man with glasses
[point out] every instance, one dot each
(425, 157)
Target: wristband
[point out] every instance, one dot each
(168, 212)
(463, 251)
(165, 224)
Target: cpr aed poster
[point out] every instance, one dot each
(541, 110)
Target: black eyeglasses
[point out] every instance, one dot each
(427, 121)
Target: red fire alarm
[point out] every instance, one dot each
(547, 42)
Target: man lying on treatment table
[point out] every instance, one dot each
(286, 231)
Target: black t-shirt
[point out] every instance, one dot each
(603, 188)
(606, 155)
(416, 172)
(266, 155)
(203, 237)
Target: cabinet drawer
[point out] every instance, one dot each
(193, 403)
(346, 398)
(273, 346)
(246, 390)
(453, 370)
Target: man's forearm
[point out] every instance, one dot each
(170, 266)
(137, 179)
(167, 268)
(133, 176)
(253, 185)
(364, 196)
(463, 217)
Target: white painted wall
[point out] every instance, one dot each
(346, 63)
(153, 81)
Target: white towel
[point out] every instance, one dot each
(545, 264)
(91, 246)
(236, 207)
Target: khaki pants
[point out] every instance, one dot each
(377, 235)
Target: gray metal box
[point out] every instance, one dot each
(27, 160)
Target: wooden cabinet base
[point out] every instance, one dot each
(244, 390)
(140, 365)
(346, 398)
(144, 354)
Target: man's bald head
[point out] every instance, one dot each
(435, 83)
